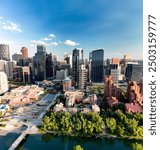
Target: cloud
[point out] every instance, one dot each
(11, 26)
(6, 42)
(46, 39)
(70, 43)
(52, 35)
(54, 43)
(38, 42)
(1, 17)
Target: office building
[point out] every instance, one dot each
(115, 61)
(82, 77)
(134, 72)
(22, 74)
(49, 66)
(24, 51)
(61, 74)
(7, 67)
(97, 66)
(4, 52)
(16, 57)
(41, 49)
(77, 59)
(39, 63)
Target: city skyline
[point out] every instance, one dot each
(63, 26)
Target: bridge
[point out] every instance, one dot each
(30, 127)
(20, 138)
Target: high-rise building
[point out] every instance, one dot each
(88, 67)
(49, 66)
(7, 67)
(134, 72)
(61, 74)
(24, 51)
(16, 57)
(3, 83)
(39, 63)
(41, 49)
(115, 61)
(82, 78)
(22, 74)
(67, 84)
(4, 52)
(115, 74)
(97, 66)
(76, 61)
(68, 60)
(114, 70)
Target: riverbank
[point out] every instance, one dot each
(103, 135)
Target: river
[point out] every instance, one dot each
(51, 142)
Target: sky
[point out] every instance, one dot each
(62, 25)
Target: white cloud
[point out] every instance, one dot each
(70, 43)
(54, 43)
(6, 42)
(1, 17)
(52, 35)
(11, 26)
(38, 42)
(46, 39)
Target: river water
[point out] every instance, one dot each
(51, 142)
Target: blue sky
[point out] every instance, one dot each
(115, 25)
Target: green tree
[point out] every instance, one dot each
(120, 130)
(77, 147)
(131, 126)
(137, 146)
(111, 125)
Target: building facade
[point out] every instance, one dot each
(134, 72)
(16, 57)
(49, 66)
(67, 84)
(4, 52)
(97, 65)
(82, 77)
(39, 63)
(24, 52)
(22, 74)
(77, 59)
(7, 67)
(3, 83)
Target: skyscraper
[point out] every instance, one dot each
(39, 63)
(76, 61)
(24, 51)
(82, 77)
(16, 57)
(49, 66)
(7, 67)
(41, 48)
(134, 72)
(4, 52)
(97, 66)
